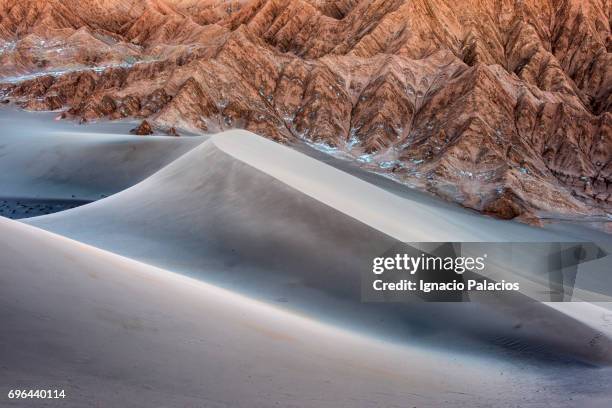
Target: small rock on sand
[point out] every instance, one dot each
(172, 132)
(143, 129)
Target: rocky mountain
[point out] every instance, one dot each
(504, 106)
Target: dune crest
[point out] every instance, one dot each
(260, 218)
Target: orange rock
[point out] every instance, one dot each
(143, 129)
(172, 132)
(465, 99)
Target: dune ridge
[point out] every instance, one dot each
(262, 219)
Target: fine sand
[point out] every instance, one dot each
(226, 271)
(258, 218)
(114, 332)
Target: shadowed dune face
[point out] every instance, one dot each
(259, 218)
(16, 208)
(501, 106)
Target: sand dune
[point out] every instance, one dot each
(116, 330)
(277, 241)
(258, 218)
(119, 332)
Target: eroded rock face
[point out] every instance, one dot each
(503, 106)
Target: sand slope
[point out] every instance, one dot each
(121, 333)
(261, 219)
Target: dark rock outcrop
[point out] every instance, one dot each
(143, 129)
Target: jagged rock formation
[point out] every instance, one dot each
(504, 106)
